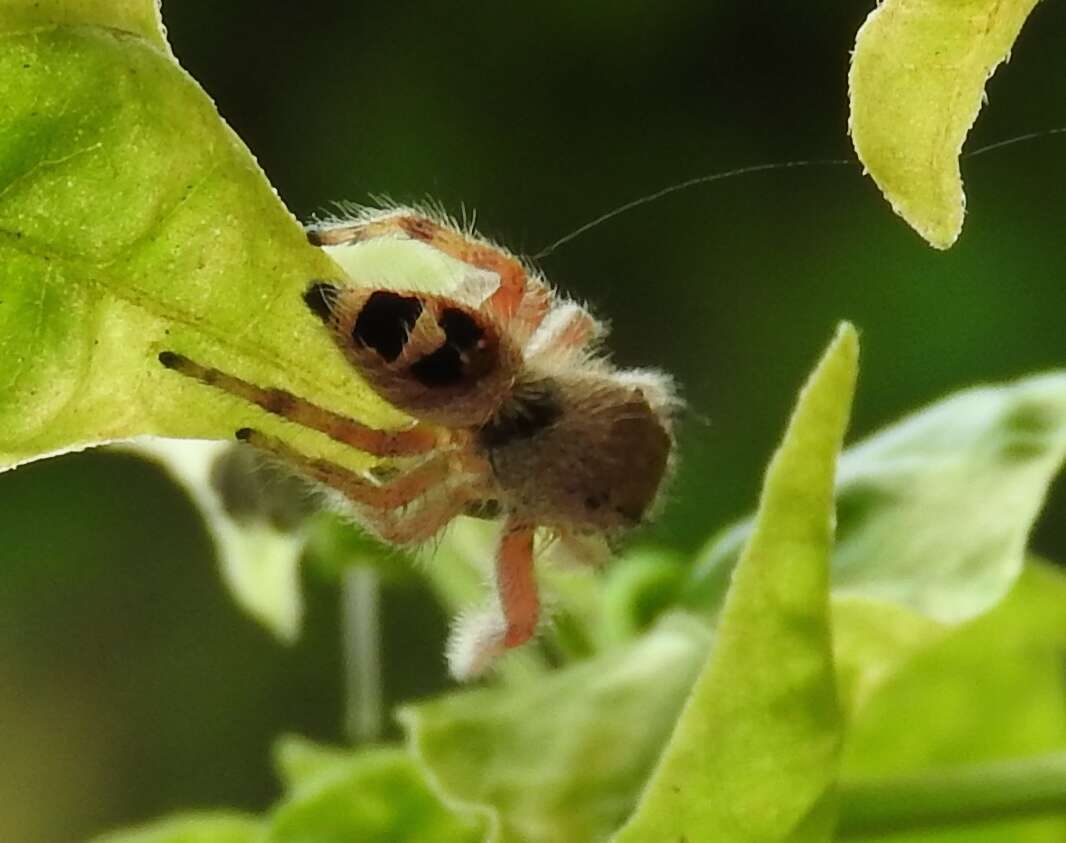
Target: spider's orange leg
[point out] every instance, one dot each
(414, 526)
(478, 639)
(391, 494)
(418, 439)
(511, 299)
(515, 583)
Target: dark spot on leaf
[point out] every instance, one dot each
(1030, 417)
(385, 321)
(858, 502)
(1025, 431)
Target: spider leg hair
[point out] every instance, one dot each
(420, 524)
(418, 439)
(478, 639)
(505, 302)
(395, 492)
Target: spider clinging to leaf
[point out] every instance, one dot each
(515, 412)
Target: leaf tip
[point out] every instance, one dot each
(845, 343)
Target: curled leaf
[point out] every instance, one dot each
(917, 81)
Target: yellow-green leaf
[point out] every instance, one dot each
(754, 754)
(139, 17)
(377, 795)
(132, 221)
(988, 690)
(917, 81)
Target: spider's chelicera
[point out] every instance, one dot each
(516, 411)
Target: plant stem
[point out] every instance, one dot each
(362, 653)
(1003, 790)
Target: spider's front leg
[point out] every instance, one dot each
(418, 439)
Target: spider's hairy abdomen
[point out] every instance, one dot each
(580, 451)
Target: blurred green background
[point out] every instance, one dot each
(131, 686)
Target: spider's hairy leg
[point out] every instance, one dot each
(515, 583)
(478, 639)
(418, 439)
(395, 492)
(418, 525)
(507, 299)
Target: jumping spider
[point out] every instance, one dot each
(515, 411)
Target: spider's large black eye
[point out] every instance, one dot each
(448, 365)
(443, 367)
(385, 321)
(460, 329)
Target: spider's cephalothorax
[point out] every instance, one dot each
(515, 411)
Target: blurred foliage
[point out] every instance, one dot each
(132, 687)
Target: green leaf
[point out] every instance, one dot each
(133, 221)
(917, 80)
(301, 762)
(377, 796)
(560, 758)
(991, 689)
(754, 753)
(935, 511)
(139, 17)
(192, 828)
(872, 640)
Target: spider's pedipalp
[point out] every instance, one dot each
(567, 329)
(418, 439)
